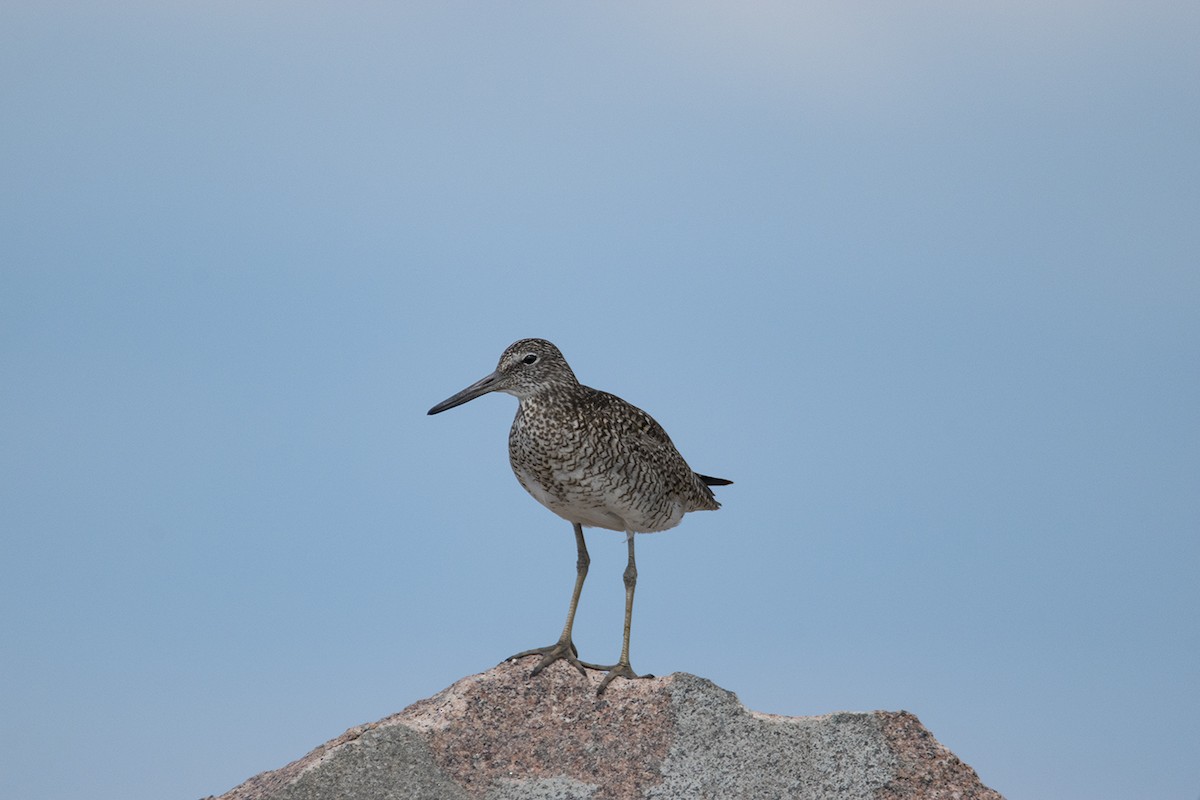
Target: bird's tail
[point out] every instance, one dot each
(710, 481)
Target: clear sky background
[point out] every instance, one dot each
(922, 278)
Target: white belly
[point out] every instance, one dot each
(592, 507)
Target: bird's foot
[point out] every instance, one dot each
(564, 650)
(619, 670)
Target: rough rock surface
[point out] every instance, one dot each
(502, 735)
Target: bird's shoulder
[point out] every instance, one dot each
(621, 418)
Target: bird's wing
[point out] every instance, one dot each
(634, 427)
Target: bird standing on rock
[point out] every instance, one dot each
(596, 461)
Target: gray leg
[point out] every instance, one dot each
(630, 578)
(622, 669)
(564, 648)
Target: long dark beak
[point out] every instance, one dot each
(476, 389)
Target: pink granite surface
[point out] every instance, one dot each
(501, 735)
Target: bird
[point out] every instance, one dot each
(595, 460)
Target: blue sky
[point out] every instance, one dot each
(922, 280)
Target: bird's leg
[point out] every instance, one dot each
(564, 648)
(622, 669)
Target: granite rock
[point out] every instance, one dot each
(502, 735)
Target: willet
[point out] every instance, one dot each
(594, 460)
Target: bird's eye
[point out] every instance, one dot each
(529, 359)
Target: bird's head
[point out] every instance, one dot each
(526, 367)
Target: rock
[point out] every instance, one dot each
(502, 735)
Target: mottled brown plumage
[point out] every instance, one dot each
(593, 459)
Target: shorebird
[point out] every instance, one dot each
(594, 460)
